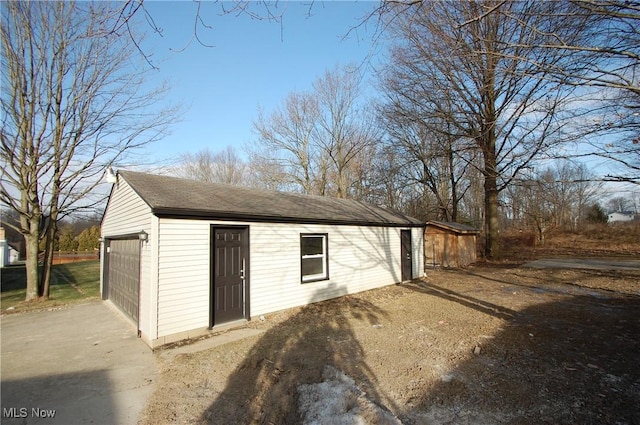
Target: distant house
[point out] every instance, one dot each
(8, 254)
(182, 257)
(14, 254)
(618, 217)
(449, 244)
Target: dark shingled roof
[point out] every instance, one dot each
(456, 227)
(170, 196)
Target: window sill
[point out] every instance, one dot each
(317, 279)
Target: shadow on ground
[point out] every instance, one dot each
(69, 398)
(264, 387)
(83, 361)
(570, 361)
(551, 354)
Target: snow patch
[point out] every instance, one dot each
(338, 401)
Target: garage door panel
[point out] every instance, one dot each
(124, 275)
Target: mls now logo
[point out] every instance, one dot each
(23, 412)
(15, 412)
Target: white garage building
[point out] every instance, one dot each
(182, 257)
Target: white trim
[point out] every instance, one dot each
(323, 255)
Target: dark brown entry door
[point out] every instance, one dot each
(405, 253)
(230, 274)
(123, 275)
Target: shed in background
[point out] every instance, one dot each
(449, 244)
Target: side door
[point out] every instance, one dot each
(229, 274)
(406, 254)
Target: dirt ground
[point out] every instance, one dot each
(485, 345)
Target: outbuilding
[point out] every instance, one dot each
(449, 244)
(184, 257)
(621, 217)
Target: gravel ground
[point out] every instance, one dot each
(485, 345)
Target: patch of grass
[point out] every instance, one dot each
(70, 283)
(13, 277)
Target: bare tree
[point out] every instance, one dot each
(539, 207)
(388, 186)
(576, 187)
(344, 129)
(557, 196)
(72, 104)
(465, 64)
(265, 173)
(288, 140)
(316, 138)
(433, 157)
(472, 204)
(224, 166)
(363, 175)
(605, 64)
(619, 204)
(607, 53)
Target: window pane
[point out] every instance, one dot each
(312, 266)
(312, 245)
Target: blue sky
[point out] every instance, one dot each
(253, 64)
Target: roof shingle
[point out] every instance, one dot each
(453, 226)
(181, 197)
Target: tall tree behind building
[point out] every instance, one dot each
(315, 140)
(480, 73)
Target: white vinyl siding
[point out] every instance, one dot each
(183, 275)
(126, 212)
(126, 215)
(360, 258)
(175, 263)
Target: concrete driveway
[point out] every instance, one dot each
(79, 365)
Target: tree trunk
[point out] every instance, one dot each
(342, 182)
(31, 245)
(491, 218)
(454, 186)
(30, 227)
(45, 280)
(491, 225)
(540, 228)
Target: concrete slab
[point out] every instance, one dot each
(80, 365)
(585, 263)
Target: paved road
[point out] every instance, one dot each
(83, 362)
(585, 263)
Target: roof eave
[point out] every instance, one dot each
(456, 229)
(163, 212)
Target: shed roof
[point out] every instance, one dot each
(171, 196)
(454, 227)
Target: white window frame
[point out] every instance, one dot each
(324, 255)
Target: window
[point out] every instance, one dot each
(314, 257)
